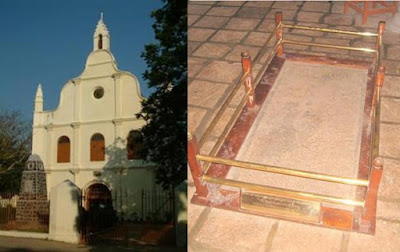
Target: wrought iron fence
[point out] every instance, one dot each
(150, 222)
(157, 206)
(8, 206)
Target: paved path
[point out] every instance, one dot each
(218, 33)
(36, 245)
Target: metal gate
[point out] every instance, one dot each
(103, 221)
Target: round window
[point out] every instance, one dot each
(98, 92)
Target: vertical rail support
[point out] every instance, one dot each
(378, 44)
(380, 76)
(248, 79)
(195, 167)
(278, 22)
(367, 223)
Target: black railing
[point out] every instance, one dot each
(157, 206)
(8, 206)
(105, 219)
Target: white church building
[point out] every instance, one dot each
(84, 139)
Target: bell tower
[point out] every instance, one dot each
(101, 38)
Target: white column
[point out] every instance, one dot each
(118, 95)
(51, 147)
(119, 138)
(76, 145)
(77, 100)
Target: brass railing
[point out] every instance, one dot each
(282, 192)
(285, 171)
(234, 91)
(211, 158)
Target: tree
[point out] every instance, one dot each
(165, 111)
(15, 139)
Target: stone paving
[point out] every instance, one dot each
(218, 33)
(19, 244)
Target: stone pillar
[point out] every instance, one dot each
(32, 205)
(64, 212)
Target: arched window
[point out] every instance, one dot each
(97, 147)
(134, 146)
(63, 150)
(100, 44)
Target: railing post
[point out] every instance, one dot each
(248, 79)
(380, 76)
(378, 44)
(195, 166)
(278, 21)
(369, 213)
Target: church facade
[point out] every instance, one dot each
(84, 139)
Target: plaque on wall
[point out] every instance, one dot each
(28, 186)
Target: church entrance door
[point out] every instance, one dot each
(100, 213)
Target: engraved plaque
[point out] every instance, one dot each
(285, 207)
(28, 186)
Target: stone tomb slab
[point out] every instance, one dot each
(311, 120)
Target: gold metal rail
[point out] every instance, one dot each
(227, 128)
(376, 113)
(365, 34)
(266, 64)
(283, 192)
(330, 46)
(285, 171)
(239, 108)
(265, 47)
(376, 125)
(236, 88)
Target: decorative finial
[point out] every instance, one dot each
(101, 15)
(39, 91)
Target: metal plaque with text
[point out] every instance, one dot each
(285, 207)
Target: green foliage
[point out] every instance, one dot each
(165, 111)
(15, 139)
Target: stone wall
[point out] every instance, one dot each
(35, 210)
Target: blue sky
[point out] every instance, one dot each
(48, 41)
